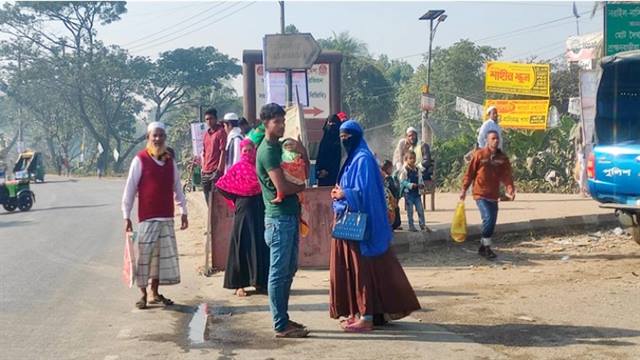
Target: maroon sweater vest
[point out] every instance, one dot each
(155, 190)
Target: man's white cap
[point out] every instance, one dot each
(155, 125)
(491, 108)
(411, 129)
(231, 116)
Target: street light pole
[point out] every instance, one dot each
(430, 47)
(289, 74)
(425, 129)
(424, 123)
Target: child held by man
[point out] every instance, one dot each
(295, 171)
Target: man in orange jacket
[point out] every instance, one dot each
(488, 168)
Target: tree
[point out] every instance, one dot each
(179, 72)
(291, 29)
(565, 82)
(456, 71)
(223, 99)
(367, 94)
(349, 46)
(51, 123)
(397, 72)
(27, 24)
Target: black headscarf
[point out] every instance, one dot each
(329, 152)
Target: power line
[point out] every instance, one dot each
(150, 46)
(529, 27)
(512, 33)
(173, 9)
(554, 45)
(199, 14)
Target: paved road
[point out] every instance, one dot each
(61, 296)
(60, 291)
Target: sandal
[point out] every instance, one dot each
(241, 293)
(293, 332)
(141, 304)
(357, 328)
(161, 299)
(296, 325)
(348, 321)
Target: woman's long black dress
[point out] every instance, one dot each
(248, 261)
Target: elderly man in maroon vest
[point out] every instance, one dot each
(154, 176)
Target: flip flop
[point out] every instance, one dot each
(141, 304)
(293, 333)
(241, 293)
(161, 299)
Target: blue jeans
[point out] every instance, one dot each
(281, 235)
(489, 214)
(412, 201)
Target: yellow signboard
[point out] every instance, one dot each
(517, 79)
(521, 114)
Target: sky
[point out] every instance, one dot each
(522, 28)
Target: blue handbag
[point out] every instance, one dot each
(351, 226)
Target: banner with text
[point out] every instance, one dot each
(518, 79)
(470, 109)
(197, 138)
(521, 114)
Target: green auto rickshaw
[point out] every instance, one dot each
(30, 165)
(16, 194)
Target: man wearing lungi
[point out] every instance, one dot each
(154, 177)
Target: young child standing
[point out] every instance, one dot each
(410, 183)
(392, 187)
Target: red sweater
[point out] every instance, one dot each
(155, 190)
(487, 171)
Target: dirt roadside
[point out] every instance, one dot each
(546, 297)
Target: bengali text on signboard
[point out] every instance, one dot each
(521, 114)
(622, 27)
(517, 79)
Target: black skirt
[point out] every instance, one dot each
(248, 262)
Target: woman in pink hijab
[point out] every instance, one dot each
(248, 262)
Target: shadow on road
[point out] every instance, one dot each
(56, 181)
(13, 223)
(70, 207)
(310, 292)
(512, 335)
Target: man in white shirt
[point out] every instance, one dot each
(490, 125)
(234, 137)
(155, 178)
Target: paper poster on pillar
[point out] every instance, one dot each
(318, 91)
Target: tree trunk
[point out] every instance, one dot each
(125, 155)
(54, 157)
(4, 152)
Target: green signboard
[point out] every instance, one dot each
(621, 27)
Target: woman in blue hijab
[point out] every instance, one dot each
(366, 277)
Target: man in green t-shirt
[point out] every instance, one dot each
(281, 219)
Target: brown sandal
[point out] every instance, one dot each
(142, 303)
(293, 332)
(161, 299)
(296, 325)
